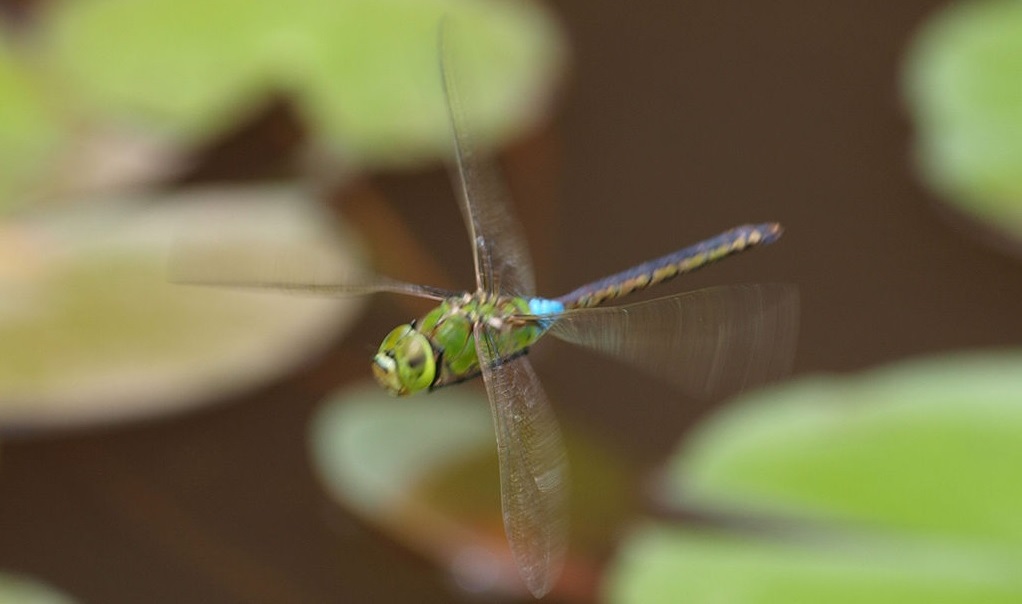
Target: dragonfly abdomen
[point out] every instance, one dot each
(676, 263)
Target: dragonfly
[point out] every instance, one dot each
(711, 341)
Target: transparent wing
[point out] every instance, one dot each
(711, 342)
(502, 262)
(533, 465)
(285, 269)
(358, 286)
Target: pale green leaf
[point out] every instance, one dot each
(29, 133)
(897, 485)
(963, 80)
(91, 329)
(364, 74)
(926, 447)
(20, 589)
(373, 450)
(662, 565)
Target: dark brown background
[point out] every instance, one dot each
(677, 120)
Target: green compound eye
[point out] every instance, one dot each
(405, 363)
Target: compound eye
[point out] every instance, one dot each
(416, 363)
(394, 338)
(415, 356)
(405, 363)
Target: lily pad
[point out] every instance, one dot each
(365, 74)
(184, 65)
(19, 589)
(374, 452)
(91, 330)
(388, 106)
(665, 565)
(29, 133)
(963, 81)
(894, 486)
(425, 471)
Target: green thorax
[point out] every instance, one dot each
(449, 328)
(439, 349)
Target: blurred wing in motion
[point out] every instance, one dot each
(289, 268)
(533, 465)
(712, 342)
(502, 261)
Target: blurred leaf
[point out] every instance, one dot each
(963, 80)
(668, 565)
(19, 589)
(425, 470)
(373, 450)
(894, 486)
(29, 134)
(365, 72)
(90, 328)
(922, 447)
(188, 65)
(387, 104)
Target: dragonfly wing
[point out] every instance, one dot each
(711, 342)
(502, 261)
(357, 287)
(283, 270)
(533, 465)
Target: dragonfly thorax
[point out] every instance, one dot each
(439, 349)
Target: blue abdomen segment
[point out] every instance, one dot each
(666, 267)
(543, 306)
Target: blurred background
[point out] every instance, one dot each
(166, 443)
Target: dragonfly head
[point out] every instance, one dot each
(405, 363)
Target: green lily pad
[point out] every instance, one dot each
(424, 470)
(923, 447)
(19, 589)
(373, 450)
(963, 81)
(91, 330)
(185, 66)
(365, 74)
(29, 134)
(666, 565)
(388, 106)
(894, 486)
(374, 453)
